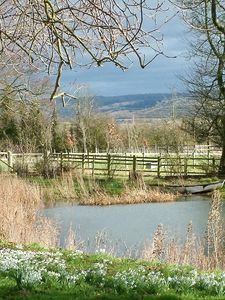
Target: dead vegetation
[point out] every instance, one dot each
(130, 196)
(206, 254)
(20, 218)
(89, 192)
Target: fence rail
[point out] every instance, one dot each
(122, 165)
(111, 164)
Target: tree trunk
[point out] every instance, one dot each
(222, 162)
(221, 172)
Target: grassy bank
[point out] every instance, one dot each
(98, 191)
(30, 272)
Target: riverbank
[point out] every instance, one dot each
(32, 272)
(101, 191)
(98, 191)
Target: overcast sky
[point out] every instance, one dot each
(161, 76)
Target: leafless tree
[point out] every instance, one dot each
(83, 118)
(206, 82)
(55, 34)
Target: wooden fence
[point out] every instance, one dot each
(110, 165)
(122, 165)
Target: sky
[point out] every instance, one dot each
(161, 76)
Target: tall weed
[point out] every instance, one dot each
(20, 219)
(206, 254)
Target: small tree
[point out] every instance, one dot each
(84, 112)
(114, 141)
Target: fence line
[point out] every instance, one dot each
(122, 165)
(112, 164)
(189, 150)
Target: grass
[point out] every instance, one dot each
(131, 196)
(99, 276)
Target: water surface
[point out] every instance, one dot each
(133, 224)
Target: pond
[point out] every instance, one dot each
(132, 225)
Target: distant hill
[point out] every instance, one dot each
(129, 102)
(140, 106)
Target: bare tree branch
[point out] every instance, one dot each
(56, 34)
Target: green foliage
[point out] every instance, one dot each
(33, 127)
(57, 134)
(8, 118)
(112, 186)
(32, 272)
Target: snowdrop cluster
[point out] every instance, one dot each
(31, 268)
(209, 282)
(214, 284)
(132, 279)
(154, 281)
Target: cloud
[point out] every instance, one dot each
(160, 76)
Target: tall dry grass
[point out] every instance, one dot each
(61, 189)
(20, 220)
(206, 254)
(138, 193)
(74, 188)
(130, 196)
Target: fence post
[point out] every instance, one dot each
(214, 164)
(158, 167)
(108, 164)
(185, 166)
(10, 160)
(134, 164)
(88, 157)
(93, 166)
(143, 162)
(82, 163)
(61, 163)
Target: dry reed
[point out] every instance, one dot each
(206, 254)
(73, 241)
(20, 219)
(73, 188)
(59, 190)
(130, 196)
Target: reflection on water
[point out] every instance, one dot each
(133, 224)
